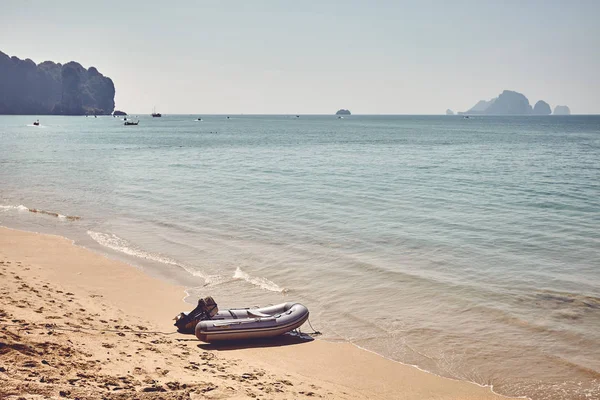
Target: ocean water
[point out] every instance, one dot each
(467, 247)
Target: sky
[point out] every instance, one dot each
(315, 57)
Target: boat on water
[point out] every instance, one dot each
(155, 114)
(36, 123)
(211, 325)
(131, 123)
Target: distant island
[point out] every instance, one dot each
(343, 112)
(449, 112)
(120, 113)
(51, 88)
(542, 108)
(562, 110)
(512, 103)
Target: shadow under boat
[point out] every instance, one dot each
(287, 339)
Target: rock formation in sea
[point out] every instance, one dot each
(449, 112)
(51, 88)
(481, 106)
(118, 112)
(562, 110)
(542, 108)
(342, 112)
(509, 102)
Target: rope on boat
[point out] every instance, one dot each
(314, 332)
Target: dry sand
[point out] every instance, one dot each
(74, 324)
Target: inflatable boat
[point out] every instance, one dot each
(253, 323)
(211, 325)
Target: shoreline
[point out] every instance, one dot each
(339, 370)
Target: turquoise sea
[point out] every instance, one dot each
(467, 247)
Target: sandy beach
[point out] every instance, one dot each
(75, 324)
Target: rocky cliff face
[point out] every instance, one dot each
(542, 108)
(50, 88)
(481, 106)
(509, 103)
(342, 112)
(562, 110)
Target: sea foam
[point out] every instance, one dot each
(116, 243)
(121, 245)
(262, 283)
(20, 207)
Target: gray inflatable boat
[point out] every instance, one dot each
(252, 323)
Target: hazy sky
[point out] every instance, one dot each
(373, 57)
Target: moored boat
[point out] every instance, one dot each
(211, 325)
(244, 323)
(131, 123)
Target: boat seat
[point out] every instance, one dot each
(255, 313)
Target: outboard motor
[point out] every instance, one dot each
(206, 309)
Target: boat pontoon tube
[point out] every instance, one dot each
(252, 323)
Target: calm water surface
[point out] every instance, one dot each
(468, 247)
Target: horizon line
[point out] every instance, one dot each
(460, 113)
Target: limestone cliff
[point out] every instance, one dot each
(51, 88)
(562, 110)
(510, 103)
(542, 108)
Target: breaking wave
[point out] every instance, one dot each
(116, 243)
(19, 208)
(262, 283)
(121, 245)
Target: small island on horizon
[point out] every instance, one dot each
(343, 112)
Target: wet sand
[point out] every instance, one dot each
(74, 324)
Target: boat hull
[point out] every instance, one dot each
(243, 324)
